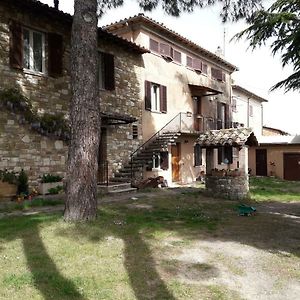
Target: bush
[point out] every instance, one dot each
(9, 177)
(47, 178)
(23, 183)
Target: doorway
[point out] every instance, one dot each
(291, 166)
(176, 156)
(261, 162)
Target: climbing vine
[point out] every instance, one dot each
(51, 125)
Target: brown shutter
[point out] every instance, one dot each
(154, 45)
(109, 71)
(189, 61)
(163, 98)
(217, 74)
(227, 116)
(197, 64)
(204, 68)
(164, 160)
(147, 95)
(219, 115)
(55, 54)
(16, 46)
(220, 155)
(165, 49)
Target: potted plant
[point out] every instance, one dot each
(8, 184)
(50, 182)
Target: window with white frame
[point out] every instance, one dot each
(155, 97)
(160, 160)
(33, 50)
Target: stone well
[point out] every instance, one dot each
(228, 187)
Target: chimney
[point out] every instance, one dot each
(56, 2)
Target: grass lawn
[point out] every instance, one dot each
(268, 188)
(174, 244)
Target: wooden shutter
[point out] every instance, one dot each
(197, 64)
(163, 98)
(16, 46)
(189, 61)
(204, 68)
(219, 115)
(55, 54)
(177, 56)
(198, 155)
(164, 160)
(217, 74)
(227, 116)
(165, 49)
(147, 95)
(228, 154)
(154, 45)
(109, 71)
(220, 155)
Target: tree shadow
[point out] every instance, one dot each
(44, 273)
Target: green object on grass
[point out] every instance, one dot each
(245, 210)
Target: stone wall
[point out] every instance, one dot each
(20, 147)
(228, 187)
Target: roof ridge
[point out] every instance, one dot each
(142, 15)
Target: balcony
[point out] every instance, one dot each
(194, 123)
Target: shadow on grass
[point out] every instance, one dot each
(44, 274)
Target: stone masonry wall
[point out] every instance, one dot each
(228, 187)
(20, 147)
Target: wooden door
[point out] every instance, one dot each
(175, 152)
(102, 157)
(291, 165)
(261, 162)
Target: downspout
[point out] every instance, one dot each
(262, 119)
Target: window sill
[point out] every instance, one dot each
(35, 73)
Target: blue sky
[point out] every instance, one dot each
(258, 70)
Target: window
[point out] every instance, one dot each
(204, 68)
(177, 56)
(217, 74)
(106, 71)
(27, 50)
(161, 160)
(135, 132)
(250, 110)
(33, 50)
(197, 155)
(155, 97)
(189, 61)
(154, 45)
(225, 155)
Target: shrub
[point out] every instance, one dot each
(47, 178)
(23, 183)
(9, 177)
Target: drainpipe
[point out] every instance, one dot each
(56, 3)
(262, 119)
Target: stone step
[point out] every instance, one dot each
(121, 179)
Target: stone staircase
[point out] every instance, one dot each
(143, 156)
(115, 188)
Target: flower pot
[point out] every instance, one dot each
(44, 187)
(7, 190)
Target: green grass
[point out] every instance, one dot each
(131, 251)
(274, 189)
(27, 204)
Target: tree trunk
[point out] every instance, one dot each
(81, 188)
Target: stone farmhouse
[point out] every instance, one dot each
(159, 92)
(35, 60)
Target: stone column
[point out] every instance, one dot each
(209, 160)
(243, 159)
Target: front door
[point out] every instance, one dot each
(175, 151)
(292, 166)
(102, 157)
(261, 162)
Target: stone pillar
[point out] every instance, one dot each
(243, 160)
(209, 160)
